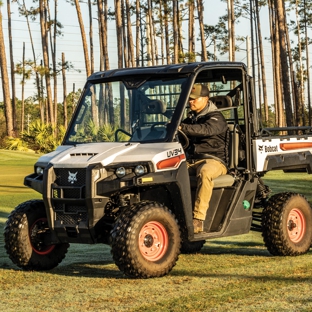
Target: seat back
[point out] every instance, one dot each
(154, 107)
(233, 146)
(222, 101)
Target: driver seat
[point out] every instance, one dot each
(157, 107)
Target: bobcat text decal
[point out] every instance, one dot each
(268, 148)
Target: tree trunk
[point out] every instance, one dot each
(299, 103)
(23, 87)
(12, 68)
(5, 85)
(119, 32)
(101, 31)
(175, 4)
(151, 31)
(84, 39)
(233, 30)
(108, 106)
(43, 113)
(148, 40)
(201, 28)
(35, 64)
(91, 37)
(124, 35)
(166, 22)
(105, 44)
(180, 37)
(307, 64)
(263, 74)
(45, 53)
(64, 90)
(284, 61)
(278, 81)
(53, 53)
(120, 58)
(191, 43)
(130, 37)
(275, 65)
(137, 32)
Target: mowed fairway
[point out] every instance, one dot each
(229, 274)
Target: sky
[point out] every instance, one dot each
(70, 41)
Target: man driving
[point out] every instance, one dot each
(208, 133)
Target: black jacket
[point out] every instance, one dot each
(208, 132)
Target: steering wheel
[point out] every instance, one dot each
(183, 139)
(123, 131)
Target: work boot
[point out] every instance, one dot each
(198, 225)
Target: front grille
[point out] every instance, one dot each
(68, 192)
(70, 176)
(70, 214)
(69, 185)
(69, 219)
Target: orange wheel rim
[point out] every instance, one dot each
(153, 241)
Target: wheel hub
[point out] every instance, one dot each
(296, 225)
(153, 241)
(291, 225)
(148, 240)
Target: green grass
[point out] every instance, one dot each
(229, 274)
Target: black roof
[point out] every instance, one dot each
(183, 68)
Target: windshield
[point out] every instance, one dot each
(137, 110)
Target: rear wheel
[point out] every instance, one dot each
(26, 236)
(287, 224)
(146, 240)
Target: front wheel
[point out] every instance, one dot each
(287, 224)
(146, 240)
(26, 235)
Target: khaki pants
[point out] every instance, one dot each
(206, 170)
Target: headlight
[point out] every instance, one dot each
(120, 172)
(139, 170)
(39, 170)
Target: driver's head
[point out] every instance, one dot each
(199, 97)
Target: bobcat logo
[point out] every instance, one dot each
(260, 148)
(72, 177)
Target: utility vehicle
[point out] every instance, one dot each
(120, 176)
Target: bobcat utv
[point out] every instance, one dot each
(120, 176)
